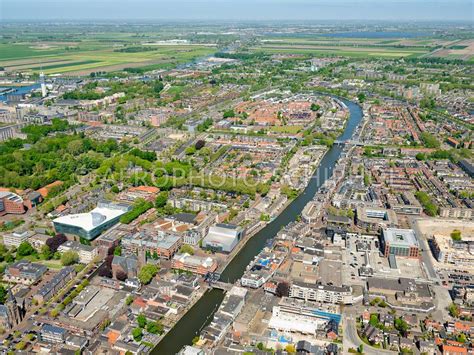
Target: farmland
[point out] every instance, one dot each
(55, 60)
(366, 47)
(79, 52)
(349, 47)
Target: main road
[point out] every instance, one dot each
(201, 314)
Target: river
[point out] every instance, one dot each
(202, 312)
(18, 90)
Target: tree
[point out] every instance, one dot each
(118, 251)
(187, 249)
(228, 114)
(84, 241)
(129, 300)
(374, 320)
(430, 208)
(3, 294)
(147, 273)
(196, 340)
(154, 327)
(46, 253)
(402, 326)
(454, 310)
(199, 144)
(25, 249)
(69, 257)
(55, 242)
(283, 289)
(161, 199)
(456, 235)
(141, 320)
(190, 150)
(361, 97)
(420, 156)
(315, 107)
(137, 334)
(429, 140)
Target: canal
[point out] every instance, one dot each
(202, 312)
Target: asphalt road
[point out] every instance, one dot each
(352, 340)
(425, 252)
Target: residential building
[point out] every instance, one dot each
(321, 293)
(55, 284)
(24, 272)
(86, 253)
(461, 213)
(52, 334)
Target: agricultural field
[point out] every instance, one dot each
(80, 51)
(457, 50)
(364, 47)
(53, 59)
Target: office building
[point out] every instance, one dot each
(400, 242)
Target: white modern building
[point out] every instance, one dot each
(90, 225)
(223, 237)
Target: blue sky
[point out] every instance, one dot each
(409, 10)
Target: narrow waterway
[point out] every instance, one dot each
(201, 314)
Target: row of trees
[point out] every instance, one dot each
(140, 206)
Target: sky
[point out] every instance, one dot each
(408, 10)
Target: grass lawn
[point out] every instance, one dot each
(286, 129)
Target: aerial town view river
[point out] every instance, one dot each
(201, 313)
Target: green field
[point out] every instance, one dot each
(97, 54)
(286, 129)
(344, 52)
(347, 47)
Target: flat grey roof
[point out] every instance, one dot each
(401, 237)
